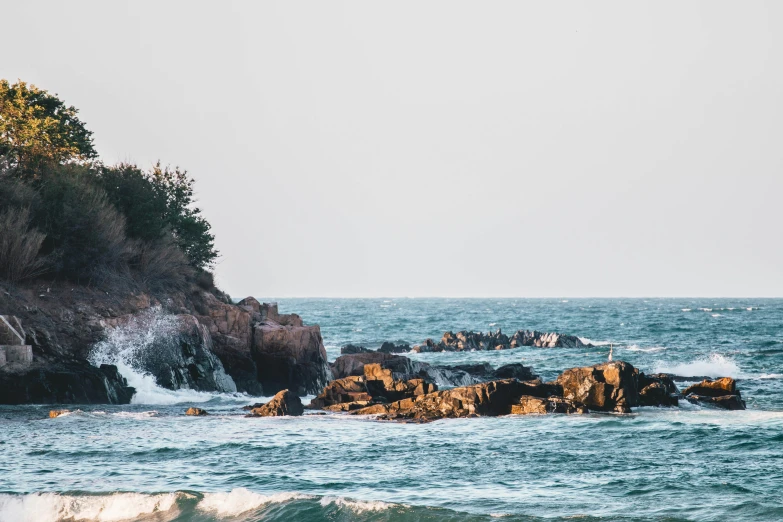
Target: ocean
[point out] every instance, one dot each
(148, 461)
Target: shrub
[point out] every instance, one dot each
(85, 233)
(161, 265)
(20, 244)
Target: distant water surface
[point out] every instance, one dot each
(147, 461)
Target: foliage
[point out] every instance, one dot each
(20, 244)
(85, 232)
(159, 202)
(37, 129)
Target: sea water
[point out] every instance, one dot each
(147, 461)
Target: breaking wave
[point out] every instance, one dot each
(124, 347)
(715, 365)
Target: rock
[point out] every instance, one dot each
(351, 349)
(345, 390)
(353, 364)
(546, 340)
(710, 388)
(382, 384)
(56, 413)
(471, 341)
(727, 402)
(388, 347)
(609, 386)
(67, 382)
(514, 371)
(291, 357)
(283, 403)
(489, 398)
(656, 394)
(722, 393)
(528, 405)
(196, 412)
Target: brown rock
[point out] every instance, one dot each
(716, 388)
(604, 387)
(488, 398)
(535, 405)
(727, 402)
(284, 403)
(657, 394)
(196, 412)
(57, 413)
(348, 389)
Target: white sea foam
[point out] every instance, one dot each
(686, 309)
(716, 315)
(649, 349)
(123, 347)
(358, 506)
(595, 343)
(716, 365)
(46, 507)
(706, 309)
(771, 376)
(240, 500)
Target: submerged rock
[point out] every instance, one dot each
(56, 413)
(283, 403)
(389, 347)
(196, 412)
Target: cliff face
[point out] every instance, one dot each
(190, 340)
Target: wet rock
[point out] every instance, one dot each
(352, 349)
(609, 386)
(722, 393)
(67, 382)
(389, 347)
(353, 364)
(727, 402)
(345, 390)
(473, 341)
(656, 394)
(283, 403)
(529, 405)
(710, 388)
(489, 398)
(56, 413)
(546, 340)
(382, 385)
(195, 412)
(514, 371)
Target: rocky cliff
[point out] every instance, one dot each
(196, 339)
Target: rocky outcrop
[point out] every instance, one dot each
(53, 414)
(351, 349)
(66, 382)
(722, 393)
(473, 341)
(377, 385)
(283, 403)
(196, 412)
(609, 386)
(389, 347)
(485, 399)
(463, 375)
(529, 405)
(657, 390)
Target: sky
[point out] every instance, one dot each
(443, 148)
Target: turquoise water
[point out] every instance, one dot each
(147, 461)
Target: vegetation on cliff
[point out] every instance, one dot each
(65, 215)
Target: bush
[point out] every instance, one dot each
(85, 233)
(161, 265)
(20, 244)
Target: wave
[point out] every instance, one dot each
(236, 505)
(125, 345)
(650, 349)
(716, 365)
(595, 343)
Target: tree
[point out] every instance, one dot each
(37, 128)
(161, 202)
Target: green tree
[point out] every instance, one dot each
(37, 128)
(161, 202)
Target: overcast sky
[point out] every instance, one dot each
(444, 148)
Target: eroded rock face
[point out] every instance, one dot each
(72, 382)
(283, 403)
(610, 386)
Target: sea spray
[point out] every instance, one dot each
(139, 343)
